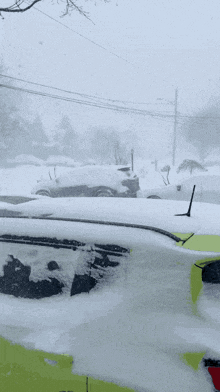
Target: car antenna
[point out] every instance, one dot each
(190, 205)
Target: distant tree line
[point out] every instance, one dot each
(20, 135)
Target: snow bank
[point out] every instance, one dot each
(21, 179)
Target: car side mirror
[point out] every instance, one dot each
(178, 187)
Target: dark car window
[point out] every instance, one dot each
(38, 267)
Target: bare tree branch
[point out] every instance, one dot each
(70, 5)
(165, 169)
(16, 7)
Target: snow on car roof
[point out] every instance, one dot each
(205, 218)
(91, 176)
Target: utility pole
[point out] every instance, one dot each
(132, 159)
(155, 164)
(175, 126)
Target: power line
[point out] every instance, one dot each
(124, 109)
(54, 88)
(108, 106)
(87, 103)
(82, 36)
(82, 94)
(104, 105)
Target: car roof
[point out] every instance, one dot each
(205, 218)
(99, 168)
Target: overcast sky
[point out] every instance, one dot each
(151, 48)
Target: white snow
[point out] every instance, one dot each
(205, 218)
(132, 331)
(26, 159)
(37, 258)
(91, 176)
(61, 160)
(20, 180)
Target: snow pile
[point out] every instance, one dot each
(21, 179)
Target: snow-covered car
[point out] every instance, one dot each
(91, 181)
(207, 190)
(97, 296)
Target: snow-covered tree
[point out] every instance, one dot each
(202, 129)
(108, 147)
(190, 165)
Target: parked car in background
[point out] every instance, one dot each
(207, 190)
(91, 181)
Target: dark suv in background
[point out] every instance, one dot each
(91, 181)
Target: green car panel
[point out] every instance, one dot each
(23, 370)
(102, 386)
